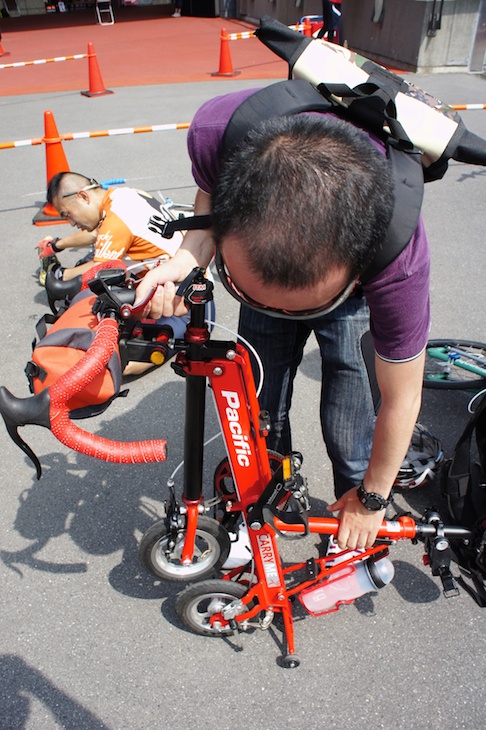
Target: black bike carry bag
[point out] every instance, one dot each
(464, 487)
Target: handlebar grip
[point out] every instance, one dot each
(452, 531)
(75, 380)
(58, 290)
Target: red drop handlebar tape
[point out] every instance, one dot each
(75, 380)
(87, 276)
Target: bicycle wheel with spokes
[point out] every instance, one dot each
(160, 552)
(197, 604)
(455, 365)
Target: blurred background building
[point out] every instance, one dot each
(415, 35)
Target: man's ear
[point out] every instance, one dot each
(85, 196)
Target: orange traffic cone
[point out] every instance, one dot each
(55, 162)
(225, 65)
(96, 85)
(2, 52)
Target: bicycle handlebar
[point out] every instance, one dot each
(432, 530)
(59, 290)
(113, 301)
(50, 409)
(405, 527)
(74, 381)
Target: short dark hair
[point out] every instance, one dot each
(68, 181)
(304, 194)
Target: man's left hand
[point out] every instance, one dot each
(358, 526)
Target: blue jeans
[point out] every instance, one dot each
(346, 409)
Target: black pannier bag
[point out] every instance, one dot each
(464, 487)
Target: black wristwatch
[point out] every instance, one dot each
(371, 500)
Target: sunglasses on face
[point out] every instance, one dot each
(243, 298)
(92, 184)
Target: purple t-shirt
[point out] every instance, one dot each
(398, 297)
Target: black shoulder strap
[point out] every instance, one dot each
(41, 326)
(283, 98)
(166, 229)
(409, 192)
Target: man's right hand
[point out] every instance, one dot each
(197, 250)
(164, 302)
(45, 247)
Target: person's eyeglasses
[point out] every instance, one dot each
(243, 298)
(92, 184)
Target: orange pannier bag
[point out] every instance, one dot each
(61, 346)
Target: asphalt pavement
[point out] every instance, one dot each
(88, 640)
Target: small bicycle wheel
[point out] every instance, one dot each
(198, 603)
(455, 365)
(159, 557)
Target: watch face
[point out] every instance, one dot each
(373, 503)
(370, 500)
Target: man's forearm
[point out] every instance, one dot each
(80, 239)
(401, 389)
(197, 248)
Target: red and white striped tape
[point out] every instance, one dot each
(100, 133)
(41, 61)
(467, 107)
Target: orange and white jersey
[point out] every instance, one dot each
(124, 233)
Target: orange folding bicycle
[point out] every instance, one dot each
(255, 491)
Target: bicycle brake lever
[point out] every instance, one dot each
(128, 310)
(186, 289)
(115, 298)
